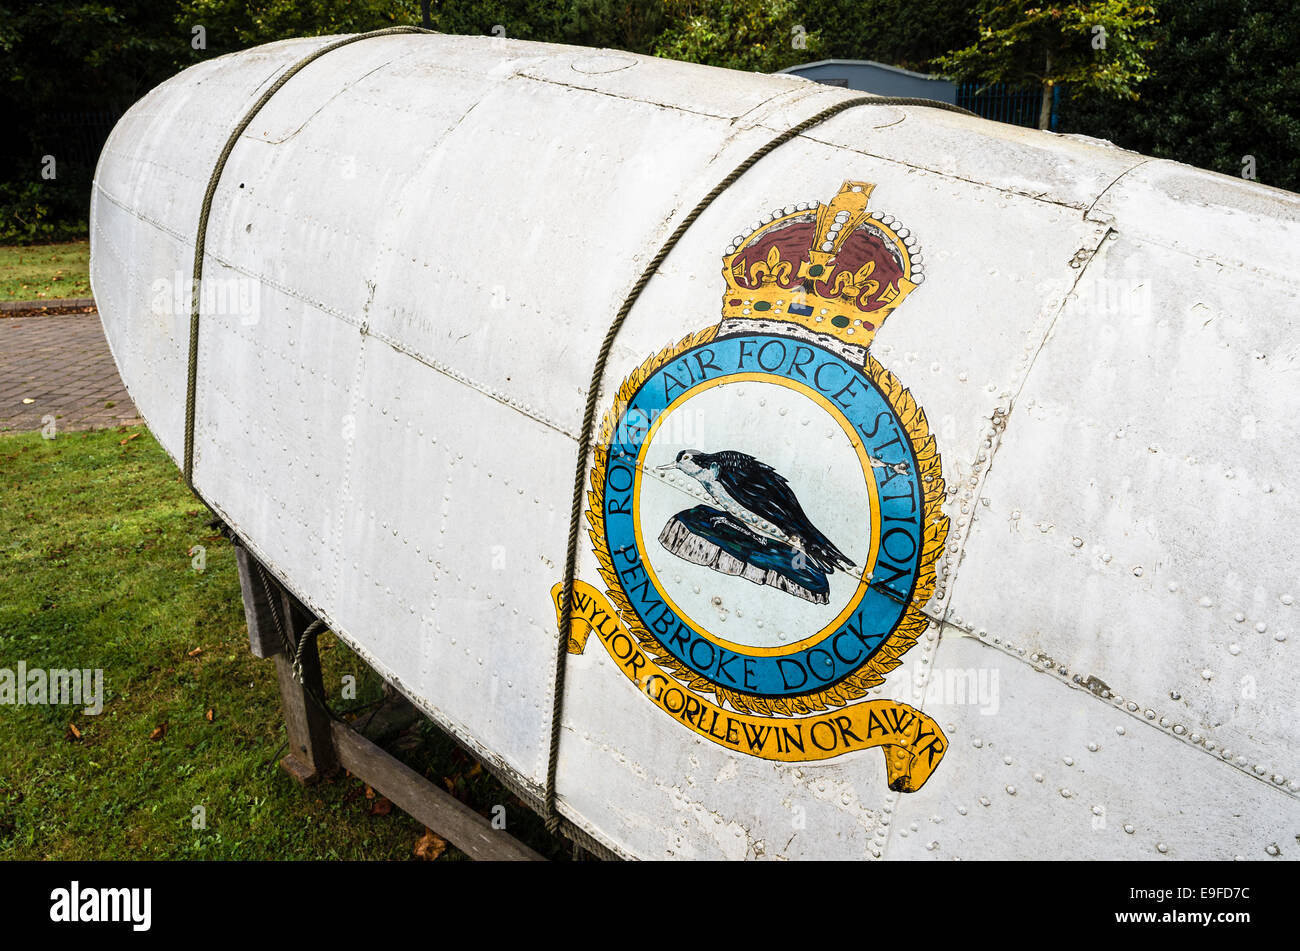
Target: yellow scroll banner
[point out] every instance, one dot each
(913, 743)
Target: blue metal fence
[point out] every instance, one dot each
(1018, 105)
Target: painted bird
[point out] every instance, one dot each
(744, 486)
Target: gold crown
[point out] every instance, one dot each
(834, 268)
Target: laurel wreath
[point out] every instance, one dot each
(900, 641)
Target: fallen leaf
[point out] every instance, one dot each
(29, 400)
(475, 772)
(210, 714)
(159, 731)
(72, 728)
(128, 438)
(430, 846)
(381, 807)
(195, 653)
(370, 792)
(451, 787)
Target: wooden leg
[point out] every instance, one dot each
(311, 742)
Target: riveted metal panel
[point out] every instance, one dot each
(415, 252)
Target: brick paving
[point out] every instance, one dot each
(62, 364)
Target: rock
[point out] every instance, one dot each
(712, 538)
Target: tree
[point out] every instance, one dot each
(1094, 45)
(67, 69)
(906, 33)
(230, 25)
(541, 20)
(1225, 87)
(759, 35)
(631, 25)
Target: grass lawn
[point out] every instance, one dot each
(95, 572)
(45, 271)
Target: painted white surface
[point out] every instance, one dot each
(434, 233)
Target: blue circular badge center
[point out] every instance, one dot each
(842, 650)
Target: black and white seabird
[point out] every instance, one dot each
(754, 491)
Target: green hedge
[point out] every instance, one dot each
(30, 214)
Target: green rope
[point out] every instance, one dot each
(553, 820)
(200, 239)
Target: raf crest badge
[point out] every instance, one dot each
(765, 504)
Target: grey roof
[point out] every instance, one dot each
(858, 62)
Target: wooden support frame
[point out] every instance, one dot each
(319, 745)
